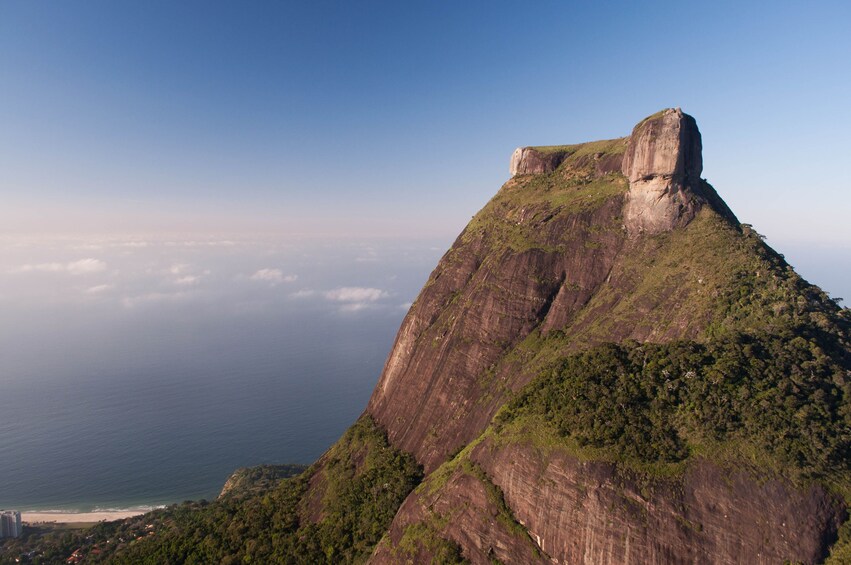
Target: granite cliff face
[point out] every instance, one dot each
(522, 503)
(663, 162)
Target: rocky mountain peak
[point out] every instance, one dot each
(666, 144)
(663, 162)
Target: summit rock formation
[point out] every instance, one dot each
(663, 162)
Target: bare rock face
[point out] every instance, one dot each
(529, 161)
(524, 503)
(589, 512)
(467, 510)
(548, 247)
(479, 302)
(667, 144)
(663, 163)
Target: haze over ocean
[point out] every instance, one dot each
(139, 372)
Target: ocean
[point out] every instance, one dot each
(138, 373)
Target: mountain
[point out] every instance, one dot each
(676, 393)
(605, 367)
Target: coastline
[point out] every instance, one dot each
(33, 517)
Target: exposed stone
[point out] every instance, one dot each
(465, 511)
(477, 304)
(590, 512)
(663, 163)
(578, 511)
(667, 144)
(527, 160)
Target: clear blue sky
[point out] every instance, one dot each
(399, 117)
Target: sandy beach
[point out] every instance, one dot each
(78, 517)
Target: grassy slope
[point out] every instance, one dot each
(509, 220)
(249, 480)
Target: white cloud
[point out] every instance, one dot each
(85, 266)
(212, 243)
(355, 294)
(369, 256)
(81, 267)
(356, 298)
(303, 293)
(406, 305)
(98, 289)
(273, 276)
(187, 280)
(178, 268)
(40, 267)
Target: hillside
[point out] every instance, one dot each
(674, 389)
(605, 367)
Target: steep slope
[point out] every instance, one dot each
(731, 457)
(556, 250)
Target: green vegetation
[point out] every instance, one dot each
(423, 537)
(517, 217)
(652, 117)
(579, 150)
(44, 543)
(704, 281)
(514, 218)
(840, 553)
(782, 392)
(430, 532)
(247, 480)
(363, 482)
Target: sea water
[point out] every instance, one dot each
(137, 373)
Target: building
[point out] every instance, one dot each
(10, 524)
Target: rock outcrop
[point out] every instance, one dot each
(529, 160)
(483, 299)
(519, 503)
(663, 162)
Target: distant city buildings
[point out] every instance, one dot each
(10, 524)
